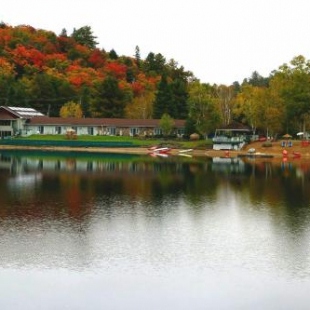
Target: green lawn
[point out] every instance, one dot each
(143, 142)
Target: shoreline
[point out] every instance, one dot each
(261, 153)
(119, 150)
(273, 153)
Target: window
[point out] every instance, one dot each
(40, 129)
(5, 134)
(90, 130)
(111, 131)
(157, 131)
(5, 123)
(134, 131)
(180, 132)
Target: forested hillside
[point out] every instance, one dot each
(68, 75)
(44, 70)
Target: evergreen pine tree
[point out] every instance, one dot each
(164, 100)
(113, 55)
(110, 101)
(138, 56)
(180, 96)
(84, 36)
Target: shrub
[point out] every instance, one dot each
(267, 144)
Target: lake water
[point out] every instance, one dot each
(108, 231)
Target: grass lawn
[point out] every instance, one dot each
(142, 142)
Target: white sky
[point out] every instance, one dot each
(220, 41)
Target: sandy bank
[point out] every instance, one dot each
(275, 151)
(124, 150)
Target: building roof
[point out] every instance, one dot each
(20, 112)
(36, 118)
(105, 122)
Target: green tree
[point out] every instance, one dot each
(138, 56)
(293, 82)
(202, 108)
(180, 98)
(17, 95)
(64, 33)
(257, 80)
(190, 127)
(113, 55)
(46, 92)
(141, 107)
(176, 72)
(236, 86)
(154, 64)
(272, 110)
(85, 98)
(164, 99)
(3, 25)
(247, 107)
(7, 81)
(43, 93)
(166, 124)
(109, 100)
(84, 36)
(225, 96)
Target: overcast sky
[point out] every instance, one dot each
(220, 41)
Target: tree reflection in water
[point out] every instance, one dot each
(193, 224)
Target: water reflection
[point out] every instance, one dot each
(194, 224)
(74, 180)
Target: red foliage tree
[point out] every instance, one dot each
(97, 59)
(137, 88)
(117, 69)
(23, 56)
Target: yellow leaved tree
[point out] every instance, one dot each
(71, 109)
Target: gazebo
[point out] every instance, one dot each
(231, 137)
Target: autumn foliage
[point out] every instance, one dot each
(51, 72)
(47, 71)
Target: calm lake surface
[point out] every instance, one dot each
(107, 231)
